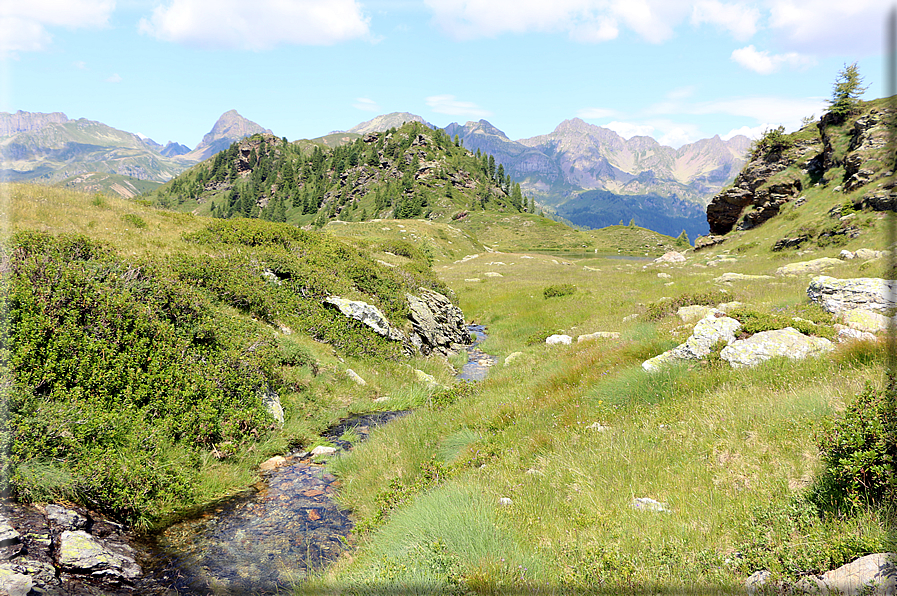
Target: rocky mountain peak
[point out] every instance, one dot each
(386, 121)
(11, 124)
(230, 127)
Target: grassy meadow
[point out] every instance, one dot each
(572, 434)
(525, 482)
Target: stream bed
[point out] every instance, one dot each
(268, 538)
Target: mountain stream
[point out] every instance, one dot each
(266, 539)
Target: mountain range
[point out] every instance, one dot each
(587, 174)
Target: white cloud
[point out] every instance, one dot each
(80, 64)
(830, 27)
(366, 105)
(677, 135)
(751, 132)
(584, 20)
(740, 20)
(627, 130)
(682, 92)
(258, 25)
(115, 78)
(23, 25)
(447, 104)
(596, 113)
(766, 63)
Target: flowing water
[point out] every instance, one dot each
(268, 538)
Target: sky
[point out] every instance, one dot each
(676, 70)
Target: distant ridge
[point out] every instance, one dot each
(387, 121)
(11, 124)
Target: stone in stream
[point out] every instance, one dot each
(8, 534)
(65, 519)
(79, 552)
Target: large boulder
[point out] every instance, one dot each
(839, 295)
(368, 314)
(787, 342)
(14, 584)
(711, 330)
(807, 267)
(872, 575)
(79, 552)
(438, 324)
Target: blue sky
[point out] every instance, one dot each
(673, 69)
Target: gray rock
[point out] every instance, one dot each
(838, 295)
(756, 581)
(79, 552)
(558, 339)
(8, 534)
(65, 519)
(512, 357)
(806, 267)
(323, 450)
(726, 278)
(872, 575)
(355, 377)
(671, 257)
(599, 335)
(787, 342)
(368, 314)
(692, 313)
(271, 401)
(437, 323)
(847, 255)
(865, 320)
(14, 584)
(426, 379)
(709, 331)
(847, 334)
(867, 254)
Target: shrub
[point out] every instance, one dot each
(754, 321)
(558, 290)
(134, 220)
(859, 452)
(659, 309)
(773, 141)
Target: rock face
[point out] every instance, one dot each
(872, 575)
(80, 552)
(712, 329)
(368, 314)
(788, 342)
(839, 295)
(438, 325)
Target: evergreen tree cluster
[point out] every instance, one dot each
(402, 173)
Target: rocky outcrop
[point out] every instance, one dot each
(438, 325)
(710, 331)
(368, 314)
(11, 124)
(787, 342)
(840, 295)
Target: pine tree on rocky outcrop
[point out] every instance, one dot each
(846, 92)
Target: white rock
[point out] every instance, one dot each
(729, 306)
(512, 357)
(559, 339)
(355, 377)
(846, 334)
(648, 504)
(505, 502)
(8, 534)
(730, 277)
(472, 279)
(846, 255)
(787, 342)
(707, 333)
(867, 254)
(598, 427)
(368, 314)
(323, 450)
(806, 267)
(428, 380)
(599, 335)
(692, 313)
(272, 463)
(663, 275)
(756, 581)
(671, 257)
(838, 295)
(14, 584)
(872, 575)
(493, 274)
(865, 320)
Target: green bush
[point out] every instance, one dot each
(558, 290)
(859, 452)
(134, 220)
(754, 321)
(659, 309)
